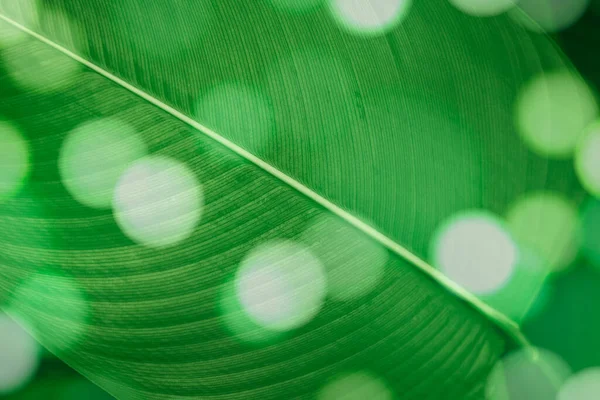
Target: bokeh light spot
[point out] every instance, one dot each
(14, 160)
(552, 112)
(9, 35)
(94, 156)
(238, 323)
(584, 385)
(549, 15)
(483, 8)
(158, 201)
(63, 30)
(33, 65)
(54, 308)
(354, 263)
(25, 12)
(590, 228)
(356, 386)
(548, 225)
(369, 16)
(587, 160)
(474, 250)
(19, 356)
(238, 112)
(281, 285)
(532, 374)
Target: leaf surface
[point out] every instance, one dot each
(386, 136)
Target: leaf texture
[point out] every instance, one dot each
(399, 130)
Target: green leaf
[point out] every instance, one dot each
(260, 128)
